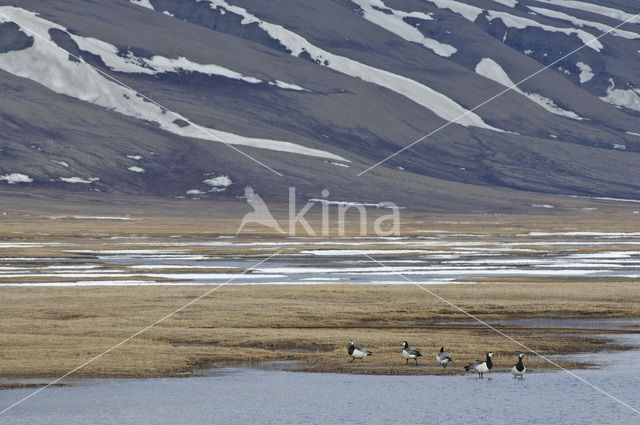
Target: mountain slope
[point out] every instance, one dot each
(319, 92)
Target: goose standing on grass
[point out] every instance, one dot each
(409, 352)
(479, 366)
(519, 368)
(357, 352)
(443, 358)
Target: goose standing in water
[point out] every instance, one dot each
(443, 358)
(519, 368)
(357, 352)
(480, 367)
(409, 352)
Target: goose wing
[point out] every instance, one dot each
(363, 350)
(443, 356)
(473, 365)
(413, 351)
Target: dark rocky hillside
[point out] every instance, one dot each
(118, 97)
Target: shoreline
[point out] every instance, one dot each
(306, 325)
(296, 366)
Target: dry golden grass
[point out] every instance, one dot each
(49, 331)
(45, 332)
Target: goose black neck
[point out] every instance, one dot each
(489, 362)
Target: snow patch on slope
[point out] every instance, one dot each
(218, 184)
(393, 22)
(585, 72)
(163, 64)
(50, 66)
(596, 9)
(288, 86)
(584, 23)
(63, 163)
(131, 63)
(492, 70)
(518, 22)
(436, 102)
(79, 180)
(625, 98)
(508, 3)
(143, 3)
(14, 178)
(469, 12)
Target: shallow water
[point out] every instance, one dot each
(310, 270)
(438, 259)
(254, 396)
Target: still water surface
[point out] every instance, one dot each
(251, 396)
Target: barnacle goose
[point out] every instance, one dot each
(443, 358)
(519, 368)
(357, 352)
(410, 352)
(480, 367)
